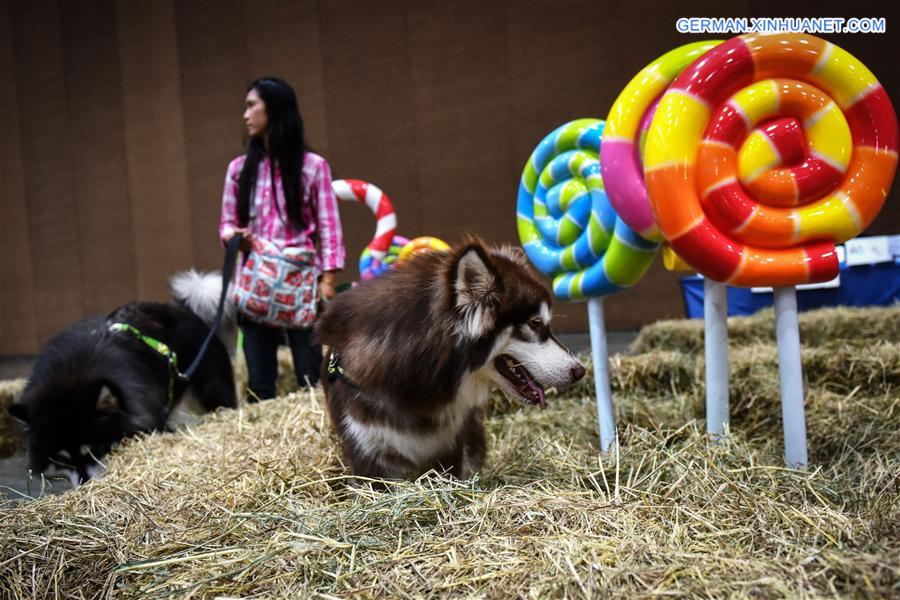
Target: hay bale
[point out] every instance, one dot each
(253, 503)
(651, 373)
(845, 369)
(11, 439)
(825, 326)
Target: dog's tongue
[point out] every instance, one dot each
(540, 392)
(533, 386)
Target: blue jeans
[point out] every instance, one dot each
(261, 352)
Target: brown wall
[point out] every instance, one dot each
(119, 118)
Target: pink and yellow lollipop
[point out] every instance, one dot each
(622, 148)
(764, 153)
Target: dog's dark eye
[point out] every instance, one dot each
(536, 323)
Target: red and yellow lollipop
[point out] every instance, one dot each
(766, 152)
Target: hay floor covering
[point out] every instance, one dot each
(254, 503)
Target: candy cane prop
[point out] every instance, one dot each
(570, 231)
(354, 190)
(762, 155)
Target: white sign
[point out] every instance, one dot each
(894, 244)
(868, 250)
(831, 283)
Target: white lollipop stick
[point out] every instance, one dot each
(605, 415)
(790, 374)
(715, 343)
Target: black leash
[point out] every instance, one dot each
(231, 251)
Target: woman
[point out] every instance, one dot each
(281, 192)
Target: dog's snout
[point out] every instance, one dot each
(577, 371)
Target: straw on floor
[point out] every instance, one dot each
(255, 503)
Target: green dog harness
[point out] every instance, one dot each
(337, 371)
(160, 348)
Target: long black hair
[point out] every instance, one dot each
(287, 149)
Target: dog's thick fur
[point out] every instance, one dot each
(423, 345)
(91, 387)
(199, 292)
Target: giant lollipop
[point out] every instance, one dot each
(570, 231)
(422, 244)
(745, 197)
(621, 153)
(626, 128)
(371, 267)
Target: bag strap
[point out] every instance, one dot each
(275, 191)
(231, 251)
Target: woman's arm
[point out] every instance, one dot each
(331, 240)
(228, 222)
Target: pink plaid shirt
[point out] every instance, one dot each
(320, 211)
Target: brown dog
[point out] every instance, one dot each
(416, 352)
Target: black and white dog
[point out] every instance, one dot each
(106, 378)
(416, 352)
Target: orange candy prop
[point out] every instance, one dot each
(764, 153)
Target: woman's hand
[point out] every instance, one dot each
(247, 241)
(326, 285)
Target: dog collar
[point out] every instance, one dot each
(160, 348)
(337, 371)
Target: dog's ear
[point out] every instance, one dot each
(106, 400)
(514, 254)
(20, 411)
(475, 288)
